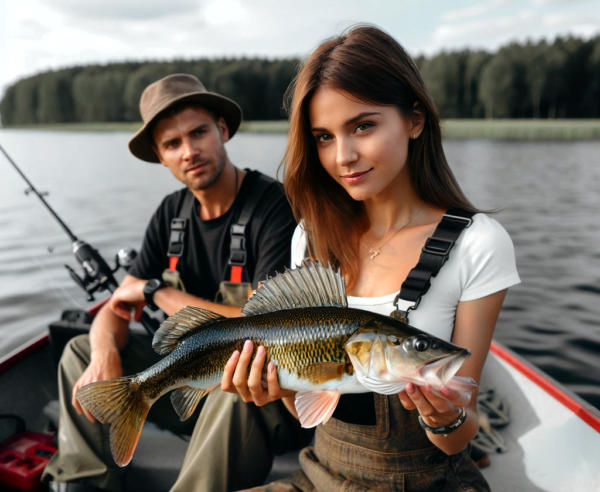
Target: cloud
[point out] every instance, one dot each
(491, 33)
(224, 12)
(123, 9)
(553, 3)
(475, 11)
(30, 29)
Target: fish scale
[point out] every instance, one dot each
(292, 340)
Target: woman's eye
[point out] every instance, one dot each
(362, 127)
(323, 137)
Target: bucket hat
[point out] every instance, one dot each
(174, 89)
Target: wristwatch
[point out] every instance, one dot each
(150, 288)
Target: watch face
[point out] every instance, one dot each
(152, 283)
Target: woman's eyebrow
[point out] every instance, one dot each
(358, 117)
(352, 120)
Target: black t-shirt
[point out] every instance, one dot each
(207, 242)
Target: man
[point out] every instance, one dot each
(185, 129)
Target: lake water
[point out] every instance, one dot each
(548, 193)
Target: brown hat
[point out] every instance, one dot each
(173, 89)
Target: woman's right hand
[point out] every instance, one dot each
(103, 366)
(250, 388)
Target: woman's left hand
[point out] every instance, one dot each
(434, 410)
(250, 388)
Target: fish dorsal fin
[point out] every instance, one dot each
(183, 321)
(310, 285)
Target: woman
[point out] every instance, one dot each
(366, 174)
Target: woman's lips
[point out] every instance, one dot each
(356, 177)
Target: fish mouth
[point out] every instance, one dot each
(443, 368)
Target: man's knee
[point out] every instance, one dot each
(78, 348)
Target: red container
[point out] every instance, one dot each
(23, 458)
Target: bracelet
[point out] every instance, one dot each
(446, 429)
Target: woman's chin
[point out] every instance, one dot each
(361, 193)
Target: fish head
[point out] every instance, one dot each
(424, 357)
(390, 351)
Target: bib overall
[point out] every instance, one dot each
(393, 455)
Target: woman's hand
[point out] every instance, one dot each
(434, 410)
(236, 379)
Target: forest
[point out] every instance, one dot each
(537, 80)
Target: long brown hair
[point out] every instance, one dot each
(369, 64)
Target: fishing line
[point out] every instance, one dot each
(98, 276)
(66, 295)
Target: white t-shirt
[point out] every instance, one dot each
(481, 263)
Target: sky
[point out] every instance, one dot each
(37, 35)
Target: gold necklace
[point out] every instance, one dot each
(375, 252)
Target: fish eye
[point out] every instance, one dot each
(421, 344)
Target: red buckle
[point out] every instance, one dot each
(236, 274)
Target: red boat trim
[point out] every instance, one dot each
(20, 353)
(548, 386)
(23, 351)
(94, 309)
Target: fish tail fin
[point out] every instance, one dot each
(122, 403)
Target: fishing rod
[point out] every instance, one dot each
(97, 275)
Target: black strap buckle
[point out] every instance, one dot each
(442, 249)
(176, 237)
(237, 254)
(458, 218)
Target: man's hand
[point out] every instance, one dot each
(103, 365)
(128, 298)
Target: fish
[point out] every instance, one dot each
(321, 348)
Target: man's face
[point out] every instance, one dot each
(191, 145)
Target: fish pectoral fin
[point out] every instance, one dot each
(316, 407)
(322, 372)
(184, 321)
(185, 400)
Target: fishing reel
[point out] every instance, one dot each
(97, 275)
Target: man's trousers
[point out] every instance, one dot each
(231, 448)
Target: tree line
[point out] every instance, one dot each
(559, 79)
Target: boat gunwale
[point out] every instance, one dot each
(17, 355)
(577, 405)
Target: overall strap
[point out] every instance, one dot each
(178, 229)
(238, 255)
(435, 253)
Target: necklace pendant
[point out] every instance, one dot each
(375, 252)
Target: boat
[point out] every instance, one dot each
(552, 440)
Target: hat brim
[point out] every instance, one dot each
(141, 143)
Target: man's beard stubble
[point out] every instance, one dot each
(207, 181)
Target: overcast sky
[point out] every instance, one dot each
(37, 35)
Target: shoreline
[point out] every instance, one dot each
(499, 129)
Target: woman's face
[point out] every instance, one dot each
(364, 147)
